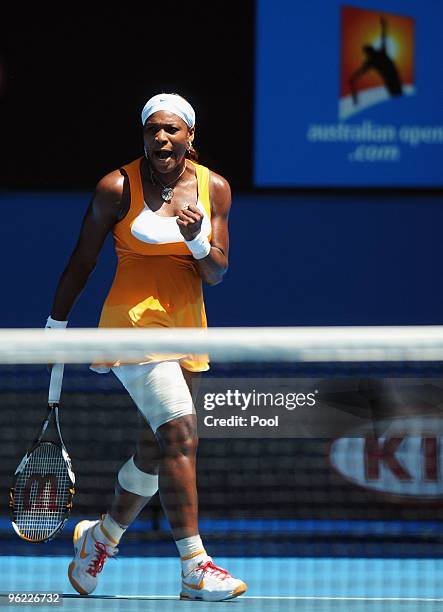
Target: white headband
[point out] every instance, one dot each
(172, 103)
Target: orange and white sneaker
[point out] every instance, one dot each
(208, 582)
(89, 559)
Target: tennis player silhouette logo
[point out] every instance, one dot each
(377, 59)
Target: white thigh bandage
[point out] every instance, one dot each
(135, 481)
(158, 389)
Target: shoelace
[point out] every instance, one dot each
(97, 563)
(214, 569)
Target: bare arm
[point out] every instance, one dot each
(102, 214)
(213, 266)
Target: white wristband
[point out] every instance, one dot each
(199, 247)
(53, 324)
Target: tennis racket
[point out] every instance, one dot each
(40, 499)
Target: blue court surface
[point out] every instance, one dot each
(299, 584)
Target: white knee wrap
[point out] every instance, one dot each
(158, 389)
(135, 481)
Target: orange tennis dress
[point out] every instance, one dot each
(157, 283)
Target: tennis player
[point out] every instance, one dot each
(169, 219)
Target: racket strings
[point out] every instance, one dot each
(42, 492)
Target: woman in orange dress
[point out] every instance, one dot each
(169, 219)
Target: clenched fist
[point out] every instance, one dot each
(189, 221)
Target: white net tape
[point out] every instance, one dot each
(226, 344)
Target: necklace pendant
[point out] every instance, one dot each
(167, 194)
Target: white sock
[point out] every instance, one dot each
(108, 531)
(191, 551)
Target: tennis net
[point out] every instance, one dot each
(319, 463)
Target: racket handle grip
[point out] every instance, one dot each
(55, 384)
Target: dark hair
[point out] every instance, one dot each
(192, 154)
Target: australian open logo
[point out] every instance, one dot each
(377, 58)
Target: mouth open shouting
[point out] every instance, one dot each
(163, 155)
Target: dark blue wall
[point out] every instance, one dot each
(295, 260)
